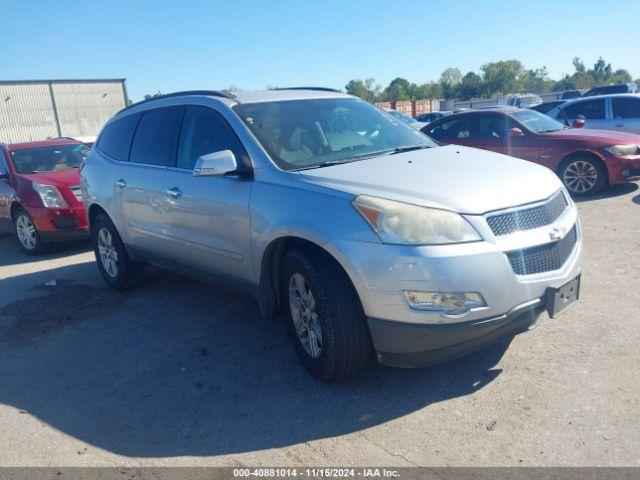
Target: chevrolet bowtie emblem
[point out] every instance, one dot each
(556, 233)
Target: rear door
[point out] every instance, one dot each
(625, 114)
(594, 113)
(142, 184)
(207, 218)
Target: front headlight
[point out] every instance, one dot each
(49, 195)
(622, 149)
(406, 224)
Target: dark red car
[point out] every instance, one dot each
(40, 197)
(586, 160)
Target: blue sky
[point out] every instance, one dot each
(175, 45)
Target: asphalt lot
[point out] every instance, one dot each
(182, 373)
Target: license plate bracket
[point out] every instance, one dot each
(561, 298)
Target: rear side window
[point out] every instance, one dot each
(115, 139)
(591, 110)
(205, 131)
(626, 107)
(451, 130)
(156, 137)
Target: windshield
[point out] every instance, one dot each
(536, 121)
(50, 158)
(401, 116)
(312, 133)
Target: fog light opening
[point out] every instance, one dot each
(453, 303)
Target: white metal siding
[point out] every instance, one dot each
(26, 113)
(84, 107)
(26, 109)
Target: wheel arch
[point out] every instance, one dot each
(271, 268)
(581, 153)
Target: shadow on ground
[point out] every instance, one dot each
(609, 192)
(181, 368)
(12, 254)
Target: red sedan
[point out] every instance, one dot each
(586, 160)
(40, 197)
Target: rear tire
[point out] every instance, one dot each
(327, 325)
(115, 265)
(28, 236)
(583, 175)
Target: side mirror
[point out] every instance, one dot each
(215, 164)
(516, 132)
(578, 123)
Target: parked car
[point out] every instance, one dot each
(612, 89)
(40, 197)
(431, 116)
(585, 160)
(363, 232)
(525, 100)
(546, 106)
(405, 118)
(570, 94)
(605, 112)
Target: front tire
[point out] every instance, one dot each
(583, 175)
(327, 325)
(115, 265)
(28, 236)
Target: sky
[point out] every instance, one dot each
(171, 45)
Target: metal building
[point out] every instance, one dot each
(38, 109)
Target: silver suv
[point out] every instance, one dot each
(363, 232)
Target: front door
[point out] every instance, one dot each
(207, 218)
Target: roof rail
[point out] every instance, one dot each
(211, 93)
(321, 89)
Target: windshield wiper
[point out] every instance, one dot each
(408, 148)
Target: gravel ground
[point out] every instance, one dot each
(181, 373)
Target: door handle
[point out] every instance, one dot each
(121, 183)
(174, 192)
(619, 124)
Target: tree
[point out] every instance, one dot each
(364, 89)
(399, 89)
(152, 95)
(450, 82)
(470, 86)
(506, 76)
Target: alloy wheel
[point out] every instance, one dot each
(108, 252)
(26, 232)
(305, 316)
(580, 176)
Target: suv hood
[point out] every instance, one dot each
(58, 178)
(463, 179)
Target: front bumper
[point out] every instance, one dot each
(418, 345)
(623, 168)
(60, 223)
(408, 337)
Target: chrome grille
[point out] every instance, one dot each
(543, 258)
(77, 192)
(528, 218)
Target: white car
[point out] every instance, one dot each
(619, 112)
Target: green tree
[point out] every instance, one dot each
(364, 89)
(399, 89)
(470, 86)
(149, 96)
(505, 76)
(450, 82)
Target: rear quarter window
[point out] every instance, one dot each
(116, 137)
